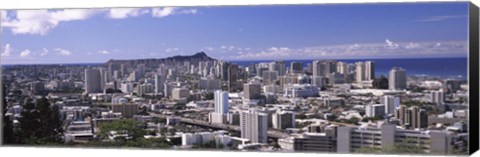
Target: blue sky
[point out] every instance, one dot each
(408, 30)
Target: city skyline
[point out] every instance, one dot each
(236, 33)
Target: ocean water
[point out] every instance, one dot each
(440, 67)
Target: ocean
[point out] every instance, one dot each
(438, 67)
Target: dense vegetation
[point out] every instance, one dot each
(40, 124)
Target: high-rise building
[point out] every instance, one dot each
(437, 97)
(254, 126)
(400, 114)
(134, 76)
(413, 117)
(180, 93)
(269, 76)
(221, 108)
(374, 110)
(140, 70)
(209, 84)
(127, 110)
(93, 81)
(159, 86)
(380, 83)
(276, 66)
(369, 70)
(251, 91)
(451, 86)
(232, 78)
(397, 79)
(274, 89)
(296, 67)
(283, 120)
(342, 67)
(323, 67)
(221, 102)
(390, 102)
(360, 72)
(365, 71)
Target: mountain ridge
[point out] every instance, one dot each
(195, 58)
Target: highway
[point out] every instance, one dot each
(271, 133)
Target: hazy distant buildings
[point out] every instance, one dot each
(37, 87)
(180, 93)
(380, 83)
(209, 84)
(296, 67)
(252, 91)
(159, 84)
(254, 126)
(232, 78)
(397, 79)
(301, 90)
(451, 86)
(269, 76)
(93, 81)
(278, 66)
(127, 110)
(322, 69)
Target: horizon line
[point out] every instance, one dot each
(237, 60)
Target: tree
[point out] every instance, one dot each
(209, 96)
(40, 123)
(301, 116)
(29, 124)
(8, 134)
(56, 122)
(276, 146)
(110, 91)
(131, 126)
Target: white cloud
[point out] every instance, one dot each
(44, 52)
(188, 11)
(365, 50)
(166, 11)
(390, 44)
(162, 12)
(171, 49)
(208, 49)
(104, 52)
(6, 51)
(412, 46)
(63, 52)
(230, 48)
(39, 22)
(121, 13)
(25, 53)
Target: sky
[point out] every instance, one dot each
(272, 32)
